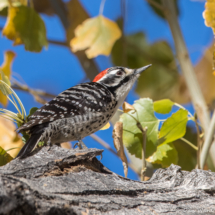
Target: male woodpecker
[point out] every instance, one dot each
(81, 110)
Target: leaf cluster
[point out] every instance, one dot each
(160, 141)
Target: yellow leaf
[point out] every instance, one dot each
(9, 29)
(106, 126)
(15, 3)
(98, 34)
(25, 26)
(209, 14)
(6, 69)
(3, 4)
(66, 145)
(8, 59)
(127, 107)
(9, 138)
(4, 157)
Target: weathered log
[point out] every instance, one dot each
(61, 181)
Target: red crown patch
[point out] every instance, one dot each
(100, 75)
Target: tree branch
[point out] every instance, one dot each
(208, 142)
(59, 43)
(199, 141)
(54, 180)
(157, 5)
(124, 42)
(144, 167)
(54, 42)
(18, 86)
(186, 67)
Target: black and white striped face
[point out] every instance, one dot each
(116, 76)
(119, 80)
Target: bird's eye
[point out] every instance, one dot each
(119, 73)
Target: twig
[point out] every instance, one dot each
(124, 43)
(189, 143)
(155, 4)
(60, 43)
(60, 11)
(13, 149)
(208, 142)
(18, 86)
(102, 7)
(186, 67)
(107, 146)
(31, 3)
(144, 167)
(118, 144)
(183, 108)
(199, 144)
(54, 42)
(32, 92)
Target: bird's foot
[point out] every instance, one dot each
(80, 145)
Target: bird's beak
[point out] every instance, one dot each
(140, 70)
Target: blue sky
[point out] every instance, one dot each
(56, 69)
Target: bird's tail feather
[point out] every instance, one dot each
(30, 145)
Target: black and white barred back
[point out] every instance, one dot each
(73, 114)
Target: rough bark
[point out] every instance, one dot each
(61, 181)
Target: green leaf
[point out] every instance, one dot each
(5, 78)
(132, 136)
(41, 143)
(187, 156)
(174, 127)
(25, 26)
(160, 12)
(32, 111)
(4, 88)
(163, 106)
(165, 155)
(4, 157)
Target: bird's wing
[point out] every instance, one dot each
(77, 100)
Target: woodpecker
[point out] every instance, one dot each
(80, 110)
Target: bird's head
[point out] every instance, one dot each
(119, 80)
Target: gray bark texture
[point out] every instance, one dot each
(59, 181)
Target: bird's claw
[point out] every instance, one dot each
(77, 144)
(80, 145)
